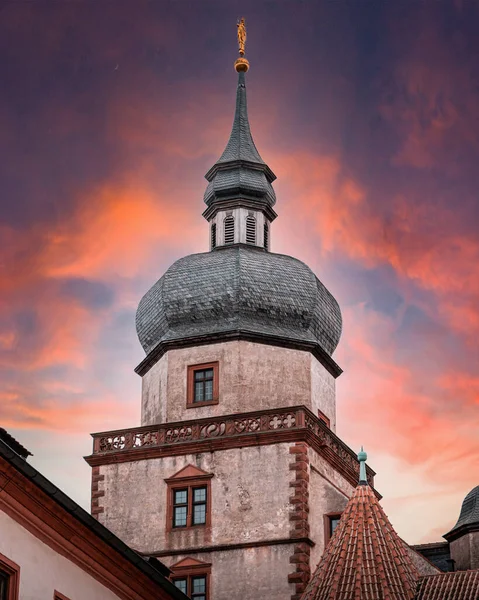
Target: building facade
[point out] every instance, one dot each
(235, 474)
(236, 478)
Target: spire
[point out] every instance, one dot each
(240, 177)
(241, 145)
(365, 558)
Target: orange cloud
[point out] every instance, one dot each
(56, 415)
(436, 258)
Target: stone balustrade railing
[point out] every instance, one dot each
(258, 424)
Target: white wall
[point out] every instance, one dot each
(42, 570)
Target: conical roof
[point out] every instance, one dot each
(365, 558)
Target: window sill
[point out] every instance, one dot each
(199, 404)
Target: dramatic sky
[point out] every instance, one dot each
(110, 114)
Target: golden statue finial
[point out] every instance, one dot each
(241, 35)
(241, 63)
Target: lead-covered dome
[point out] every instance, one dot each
(238, 289)
(469, 512)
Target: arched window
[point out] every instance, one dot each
(229, 230)
(213, 235)
(266, 236)
(250, 230)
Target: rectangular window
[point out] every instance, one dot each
(4, 585)
(182, 584)
(203, 391)
(331, 522)
(194, 586)
(9, 579)
(202, 385)
(180, 508)
(199, 506)
(198, 587)
(190, 506)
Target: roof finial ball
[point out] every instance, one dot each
(241, 64)
(362, 457)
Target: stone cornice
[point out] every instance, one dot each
(459, 532)
(273, 426)
(240, 164)
(227, 336)
(226, 547)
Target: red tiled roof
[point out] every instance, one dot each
(365, 558)
(460, 585)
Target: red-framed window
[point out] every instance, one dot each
(194, 586)
(189, 499)
(331, 522)
(192, 577)
(202, 385)
(9, 579)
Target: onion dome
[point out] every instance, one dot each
(239, 290)
(365, 558)
(469, 517)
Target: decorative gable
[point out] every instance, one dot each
(189, 563)
(190, 471)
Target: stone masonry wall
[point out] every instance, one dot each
(251, 377)
(250, 498)
(248, 574)
(465, 551)
(329, 493)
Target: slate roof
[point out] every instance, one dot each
(14, 444)
(469, 513)
(240, 172)
(365, 558)
(460, 585)
(239, 288)
(241, 146)
(438, 553)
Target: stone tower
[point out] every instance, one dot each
(235, 477)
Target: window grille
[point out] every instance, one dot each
(203, 385)
(266, 236)
(229, 230)
(194, 586)
(250, 230)
(213, 235)
(190, 506)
